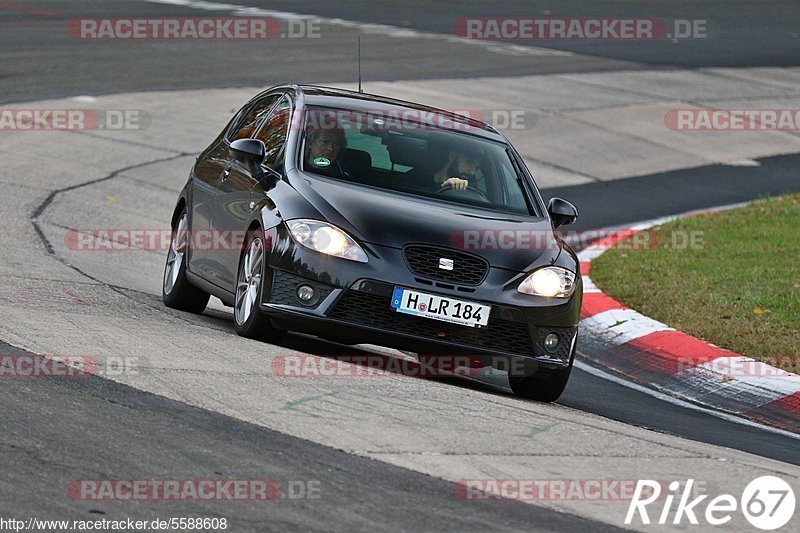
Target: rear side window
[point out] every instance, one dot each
(246, 126)
(274, 131)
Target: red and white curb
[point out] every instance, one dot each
(656, 355)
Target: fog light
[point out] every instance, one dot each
(306, 293)
(551, 342)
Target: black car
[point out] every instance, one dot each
(365, 219)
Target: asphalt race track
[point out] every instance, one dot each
(741, 34)
(201, 403)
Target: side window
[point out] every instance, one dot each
(480, 181)
(273, 132)
(513, 188)
(246, 127)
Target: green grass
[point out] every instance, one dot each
(738, 287)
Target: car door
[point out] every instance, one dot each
(205, 178)
(206, 175)
(237, 195)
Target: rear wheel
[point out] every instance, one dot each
(543, 385)
(248, 319)
(176, 291)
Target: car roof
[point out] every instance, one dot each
(344, 99)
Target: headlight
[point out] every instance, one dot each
(549, 281)
(326, 238)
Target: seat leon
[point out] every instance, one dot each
(365, 219)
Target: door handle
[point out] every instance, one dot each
(225, 174)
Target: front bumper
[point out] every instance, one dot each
(352, 303)
(361, 313)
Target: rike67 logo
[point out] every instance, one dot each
(767, 503)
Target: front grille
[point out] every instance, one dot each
(373, 310)
(423, 261)
(284, 289)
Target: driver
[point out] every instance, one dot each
(459, 168)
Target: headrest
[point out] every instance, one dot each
(407, 151)
(357, 161)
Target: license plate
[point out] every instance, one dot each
(440, 308)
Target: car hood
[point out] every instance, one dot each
(392, 219)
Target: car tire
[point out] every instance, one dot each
(176, 291)
(544, 385)
(248, 319)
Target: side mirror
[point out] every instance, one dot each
(561, 212)
(249, 152)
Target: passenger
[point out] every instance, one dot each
(323, 147)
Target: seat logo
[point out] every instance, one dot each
(445, 264)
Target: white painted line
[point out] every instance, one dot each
(618, 326)
(588, 285)
(589, 369)
(592, 252)
(742, 163)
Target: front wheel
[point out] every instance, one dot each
(176, 291)
(248, 319)
(543, 385)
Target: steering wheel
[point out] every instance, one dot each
(477, 194)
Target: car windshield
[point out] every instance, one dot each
(398, 153)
